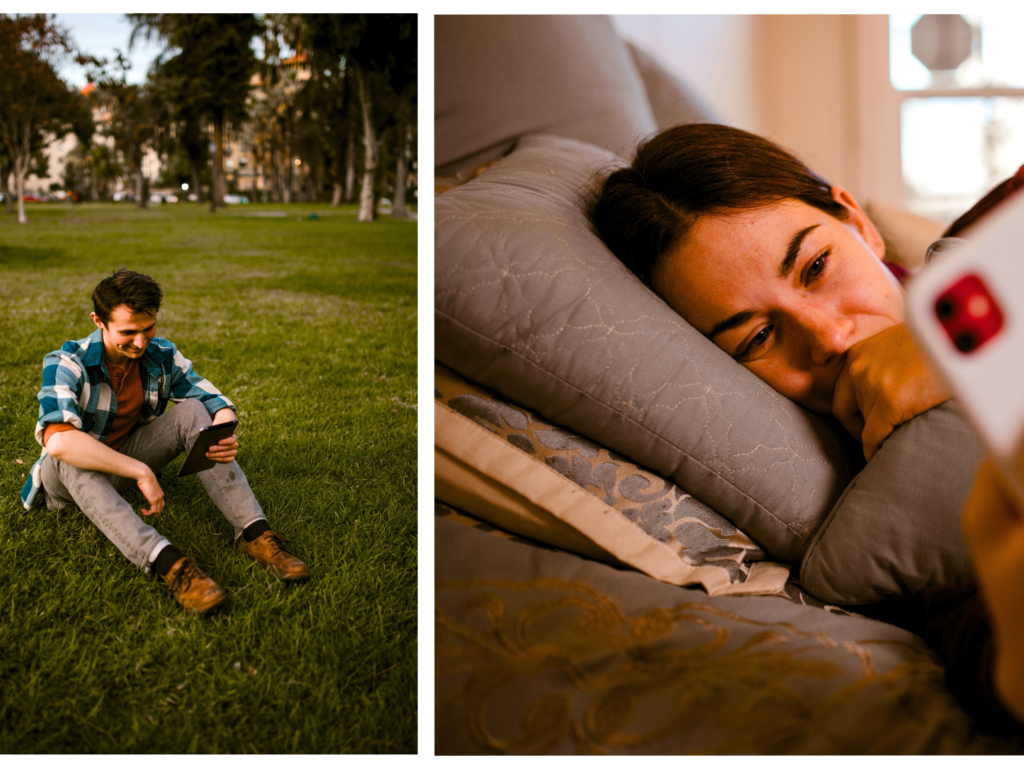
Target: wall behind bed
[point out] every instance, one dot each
(818, 85)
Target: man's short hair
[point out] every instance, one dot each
(138, 292)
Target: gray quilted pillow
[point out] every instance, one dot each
(530, 303)
(897, 528)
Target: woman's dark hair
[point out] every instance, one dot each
(647, 209)
(140, 293)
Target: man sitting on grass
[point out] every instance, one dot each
(103, 426)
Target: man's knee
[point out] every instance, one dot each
(192, 413)
(66, 482)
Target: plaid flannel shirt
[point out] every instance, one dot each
(76, 390)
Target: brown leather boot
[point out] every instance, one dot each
(268, 550)
(196, 591)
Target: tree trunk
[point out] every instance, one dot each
(194, 167)
(367, 207)
(5, 188)
(19, 183)
(140, 193)
(401, 172)
(217, 196)
(337, 194)
(286, 196)
(350, 162)
(275, 175)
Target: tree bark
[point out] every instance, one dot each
(19, 150)
(5, 187)
(140, 192)
(19, 183)
(401, 172)
(350, 162)
(286, 190)
(217, 196)
(196, 187)
(367, 207)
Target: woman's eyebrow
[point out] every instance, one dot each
(793, 251)
(729, 323)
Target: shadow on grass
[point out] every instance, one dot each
(31, 258)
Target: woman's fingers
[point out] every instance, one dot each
(877, 427)
(989, 515)
(845, 406)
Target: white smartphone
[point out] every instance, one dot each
(967, 312)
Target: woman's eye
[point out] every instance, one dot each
(759, 340)
(818, 265)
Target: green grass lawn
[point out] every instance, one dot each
(309, 326)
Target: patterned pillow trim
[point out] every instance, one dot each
(643, 520)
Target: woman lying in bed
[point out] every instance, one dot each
(777, 267)
(786, 274)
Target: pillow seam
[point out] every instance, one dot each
(698, 570)
(646, 430)
(820, 534)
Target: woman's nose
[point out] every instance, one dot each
(828, 336)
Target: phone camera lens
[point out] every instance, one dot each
(965, 342)
(945, 308)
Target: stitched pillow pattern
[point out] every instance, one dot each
(896, 529)
(635, 516)
(530, 303)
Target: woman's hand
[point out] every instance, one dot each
(994, 533)
(885, 382)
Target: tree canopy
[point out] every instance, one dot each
(329, 98)
(36, 105)
(210, 60)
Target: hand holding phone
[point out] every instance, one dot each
(967, 313)
(198, 458)
(225, 450)
(994, 533)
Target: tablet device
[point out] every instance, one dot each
(196, 460)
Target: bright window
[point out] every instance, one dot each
(961, 81)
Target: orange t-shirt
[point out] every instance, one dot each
(127, 385)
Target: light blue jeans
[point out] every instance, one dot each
(98, 494)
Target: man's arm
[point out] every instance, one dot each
(185, 383)
(86, 452)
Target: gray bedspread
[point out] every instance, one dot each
(542, 652)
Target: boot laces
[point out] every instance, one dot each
(276, 543)
(182, 580)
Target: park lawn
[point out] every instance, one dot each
(309, 326)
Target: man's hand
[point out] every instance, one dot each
(885, 382)
(225, 450)
(151, 489)
(994, 533)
